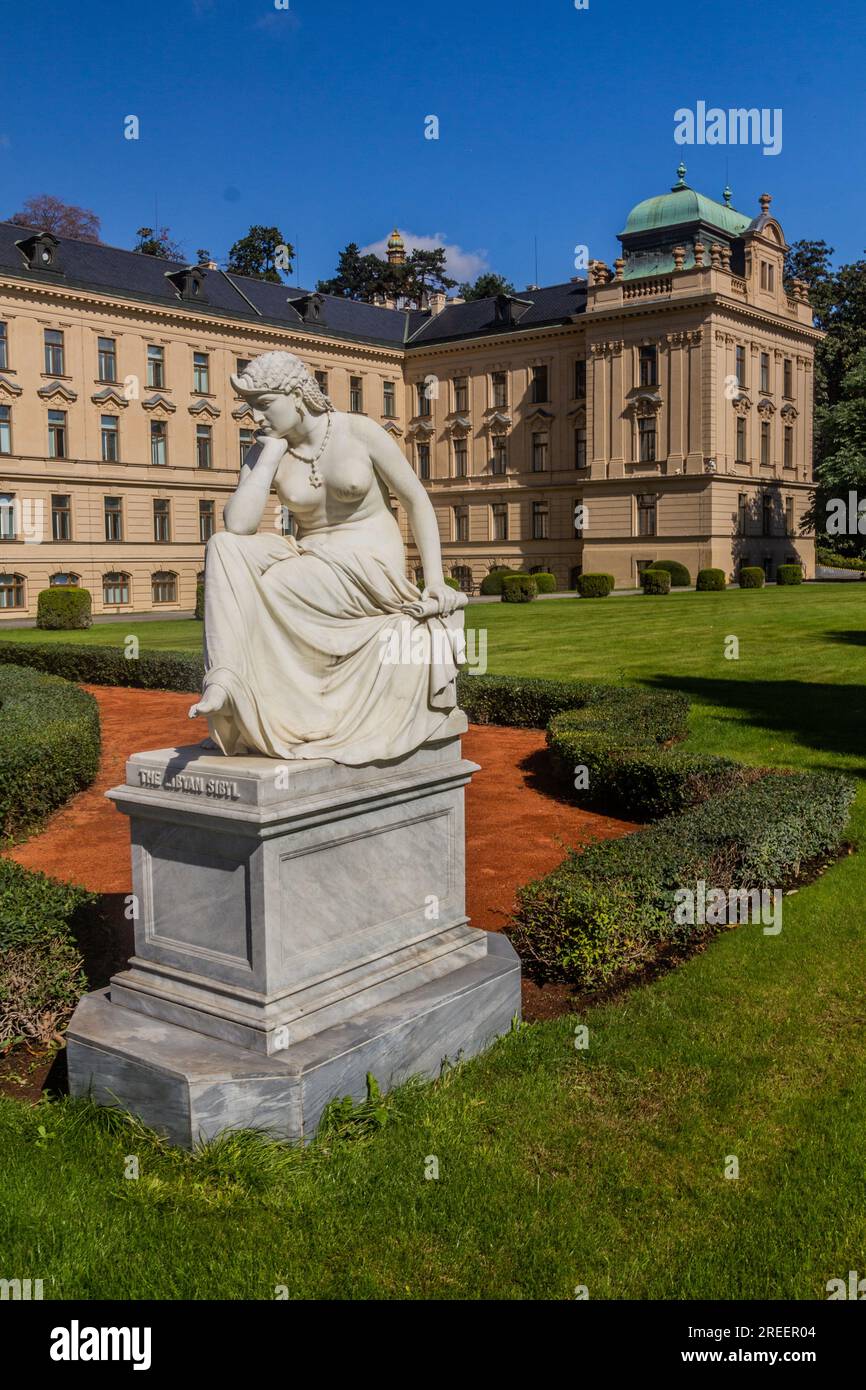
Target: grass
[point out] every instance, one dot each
(557, 1167)
(160, 635)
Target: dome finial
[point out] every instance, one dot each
(727, 195)
(681, 174)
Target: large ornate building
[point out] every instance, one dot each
(658, 409)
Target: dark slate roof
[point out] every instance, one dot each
(94, 266)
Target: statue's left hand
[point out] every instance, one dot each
(448, 599)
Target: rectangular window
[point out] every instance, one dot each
(539, 387)
(766, 514)
(11, 591)
(423, 452)
(204, 446)
(4, 346)
(741, 441)
(500, 521)
(648, 366)
(108, 429)
(7, 516)
(765, 442)
(540, 517)
(646, 514)
(646, 432)
(53, 352)
(461, 458)
(500, 454)
(57, 434)
(241, 364)
(161, 520)
(788, 388)
(5, 429)
(106, 359)
(580, 379)
(741, 367)
(246, 440)
(205, 520)
(356, 395)
(461, 523)
(115, 588)
(499, 389)
(201, 373)
(580, 447)
(113, 519)
(389, 400)
(539, 452)
(742, 513)
(765, 371)
(163, 587)
(61, 517)
(155, 366)
(768, 278)
(322, 382)
(158, 443)
(789, 446)
(789, 516)
(461, 394)
(422, 396)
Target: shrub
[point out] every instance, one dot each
(604, 913)
(545, 583)
(41, 972)
(518, 701)
(109, 665)
(63, 608)
(452, 583)
(199, 601)
(839, 562)
(789, 574)
(518, 588)
(751, 577)
(710, 580)
(49, 745)
(491, 584)
(680, 577)
(656, 581)
(594, 585)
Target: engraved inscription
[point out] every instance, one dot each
(218, 788)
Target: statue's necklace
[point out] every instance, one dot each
(315, 475)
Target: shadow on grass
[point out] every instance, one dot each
(827, 718)
(854, 639)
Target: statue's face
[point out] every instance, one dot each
(277, 414)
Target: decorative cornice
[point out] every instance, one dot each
(110, 394)
(459, 425)
(10, 388)
(644, 405)
(56, 388)
(244, 411)
(789, 411)
(497, 422)
(392, 427)
(766, 407)
(204, 408)
(159, 402)
(741, 403)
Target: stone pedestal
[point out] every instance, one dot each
(298, 925)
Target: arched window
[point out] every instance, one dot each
(463, 575)
(11, 590)
(164, 586)
(64, 580)
(115, 588)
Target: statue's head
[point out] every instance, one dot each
(280, 390)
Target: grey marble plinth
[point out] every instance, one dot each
(298, 925)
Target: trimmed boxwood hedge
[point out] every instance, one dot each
(41, 969)
(789, 574)
(199, 601)
(109, 665)
(491, 584)
(595, 585)
(710, 580)
(751, 577)
(680, 576)
(656, 581)
(518, 588)
(49, 746)
(62, 608)
(840, 562)
(545, 583)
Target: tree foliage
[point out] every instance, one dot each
(369, 277)
(158, 243)
(486, 286)
(262, 254)
(49, 214)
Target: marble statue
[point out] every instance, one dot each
(297, 627)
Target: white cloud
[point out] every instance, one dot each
(461, 265)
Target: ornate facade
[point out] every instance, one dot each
(658, 409)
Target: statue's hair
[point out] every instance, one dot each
(281, 373)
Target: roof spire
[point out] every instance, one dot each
(727, 195)
(681, 174)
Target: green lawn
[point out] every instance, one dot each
(159, 635)
(558, 1168)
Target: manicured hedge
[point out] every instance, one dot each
(62, 608)
(751, 577)
(491, 584)
(545, 583)
(199, 601)
(595, 585)
(452, 583)
(525, 702)
(680, 576)
(108, 665)
(518, 588)
(789, 574)
(603, 914)
(656, 581)
(839, 562)
(49, 746)
(41, 969)
(710, 580)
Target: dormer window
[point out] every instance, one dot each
(768, 276)
(41, 251)
(311, 307)
(189, 282)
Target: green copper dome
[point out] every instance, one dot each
(683, 205)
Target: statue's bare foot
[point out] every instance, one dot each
(212, 701)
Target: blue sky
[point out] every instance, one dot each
(553, 121)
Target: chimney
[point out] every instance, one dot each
(211, 265)
(437, 300)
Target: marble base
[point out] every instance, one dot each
(191, 1087)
